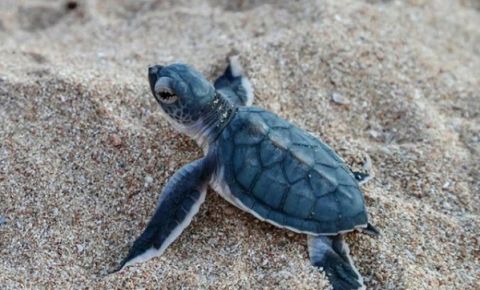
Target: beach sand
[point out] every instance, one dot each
(84, 150)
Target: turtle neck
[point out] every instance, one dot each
(215, 117)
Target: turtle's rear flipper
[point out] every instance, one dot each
(362, 177)
(331, 253)
(234, 85)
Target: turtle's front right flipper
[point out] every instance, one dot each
(234, 85)
(178, 203)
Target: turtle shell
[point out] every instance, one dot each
(282, 174)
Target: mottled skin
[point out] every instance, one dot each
(260, 163)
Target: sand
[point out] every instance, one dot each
(84, 151)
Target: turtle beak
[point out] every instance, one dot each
(153, 71)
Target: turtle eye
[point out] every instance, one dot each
(164, 92)
(165, 95)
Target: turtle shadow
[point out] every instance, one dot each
(241, 234)
(215, 218)
(278, 240)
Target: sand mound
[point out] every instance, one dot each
(81, 138)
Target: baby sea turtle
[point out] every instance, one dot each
(260, 163)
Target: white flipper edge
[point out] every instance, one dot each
(152, 252)
(237, 71)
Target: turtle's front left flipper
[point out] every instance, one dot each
(178, 203)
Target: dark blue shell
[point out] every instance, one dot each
(287, 176)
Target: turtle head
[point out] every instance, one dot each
(189, 101)
(182, 92)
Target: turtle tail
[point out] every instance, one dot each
(331, 253)
(371, 230)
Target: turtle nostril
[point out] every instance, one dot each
(153, 69)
